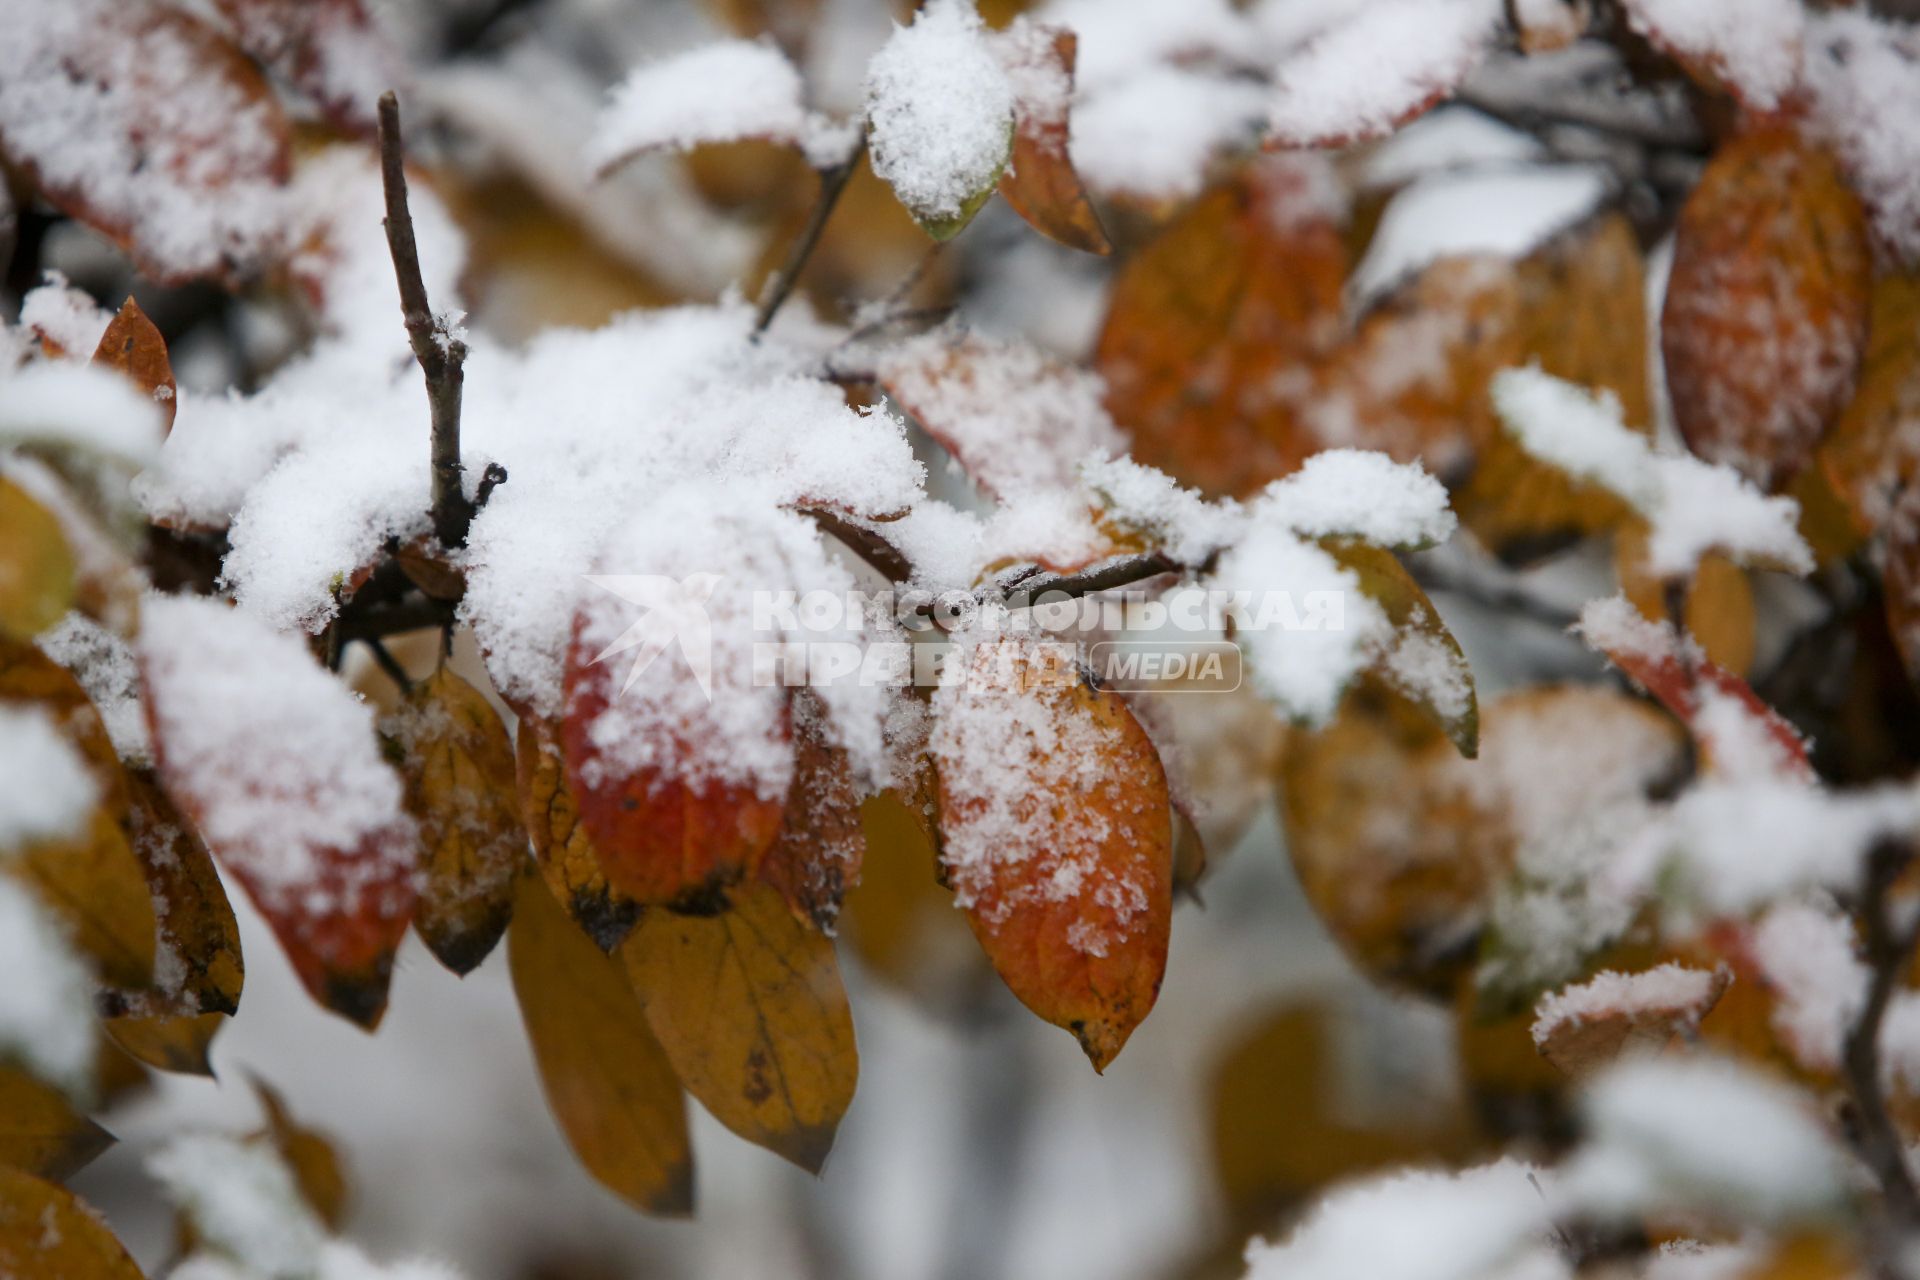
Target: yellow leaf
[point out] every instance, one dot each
(46, 1231)
(900, 922)
(457, 764)
(749, 1008)
(95, 885)
(40, 1132)
(561, 846)
(1719, 608)
(607, 1080)
(309, 1154)
(37, 573)
(1425, 663)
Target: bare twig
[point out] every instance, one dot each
(441, 353)
(1889, 945)
(1122, 571)
(833, 183)
(384, 659)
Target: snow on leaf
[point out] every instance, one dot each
(1590, 1025)
(940, 116)
(1361, 494)
(1766, 309)
(133, 346)
(1387, 63)
(1014, 418)
(46, 1009)
(45, 1230)
(749, 1008)
(608, 1082)
(1040, 183)
(1153, 135)
(277, 764)
(1693, 507)
(1056, 837)
(1752, 50)
(80, 407)
(721, 92)
(816, 858)
(1862, 82)
(145, 123)
(457, 763)
(331, 50)
(242, 1201)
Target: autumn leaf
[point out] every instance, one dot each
(1056, 835)
(37, 571)
(816, 857)
(457, 763)
(47, 1231)
(565, 855)
(133, 346)
(1719, 608)
(1207, 319)
(1040, 183)
(607, 1080)
(310, 1156)
(40, 1132)
(1872, 454)
(1900, 583)
(1593, 1024)
(749, 1008)
(330, 49)
(1767, 307)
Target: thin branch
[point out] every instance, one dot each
(412, 613)
(1889, 947)
(384, 659)
(442, 354)
(833, 183)
(1023, 590)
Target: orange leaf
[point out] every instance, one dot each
(1208, 319)
(607, 1080)
(662, 840)
(1766, 312)
(458, 766)
(135, 348)
(1720, 613)
(1057, 838)
(46, 1231)
(816, 858)
(1425, 664)
(1874, 451)
(749, 1007)
(566, 856)
(1040, 183)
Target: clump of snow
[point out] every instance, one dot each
(67, 316)
(78, 406)
(1389, 60)
(720, 92)
(1154, 134)
(1752, 47)
(1362, 494)
(939, 111)
(1183, 521)
(1706, 1134)
(1307, 628)
(46, 1003)
(1693, 507)
(1863, 83)
(104, 665)
(1671, 992)
(276, 759)
(1806, 955)
(1417, 1226)
(243, 1202)
(50, 793)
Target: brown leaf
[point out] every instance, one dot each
(1057, 837)
(1719, 613)
(566, 856)
(46, 1231)
(1874, 450)
(607, 1080)
(1766, 312)
(1586, 1027)
(458, 766)
(316, 1166)
(749, 1008)
(40, 1132)
(37, 571)
(1040, 183)
(816, 858)
(133, 346)
(184, 136)
(1207, 320)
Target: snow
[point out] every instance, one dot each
(1863, 83)
(78, 406)
(1450, 138)
(1389, 60)
(50, 793)
(243, 1202)
(1694, 507)
(720, 92)
(1182, 521)
(1752, 47)
(46, 1003)
(1324, 632)
(1675, 1133)
(939, 111)
(1361, 494)
(1668, 990)
(1155, 134)
(1417, 1226)
(1807, 956)
(66, 315)
(104, 665)
(275, 758)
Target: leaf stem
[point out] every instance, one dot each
(833, 183)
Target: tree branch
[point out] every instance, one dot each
(1024, 588)
(1889, 947)
(442, 355)
(833, 183)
